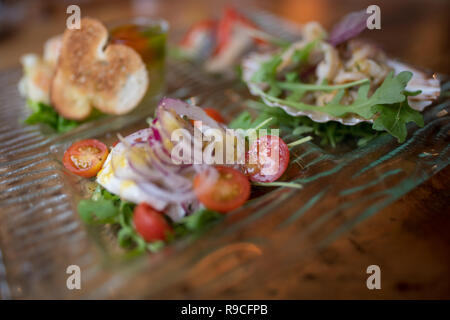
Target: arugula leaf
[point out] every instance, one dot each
(391, 91)
(43, 113)
(301, 56)
(242, 121)
(64, 125)
(101, 193)
(294, 86)
(103, 210)
(197, 222)
(125, 237)
(156, 246)
(301, 129)
(393, 119)
(330, 133)
(201, 219)
(268, 70)
(267, 73)
(107, 208)
(286, 184)
(292, 77)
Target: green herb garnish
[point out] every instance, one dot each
(43, 113)
(267, 72)
(197, 222)
(330, 133)
(106, 208)
(387, 105)
(286, 184)
(393, 118)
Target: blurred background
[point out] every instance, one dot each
(416, 31)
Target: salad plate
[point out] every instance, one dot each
(41, 233)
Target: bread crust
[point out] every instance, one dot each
(92, 73)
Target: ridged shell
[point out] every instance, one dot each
(420, 81)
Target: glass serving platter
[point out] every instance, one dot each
(41, 233)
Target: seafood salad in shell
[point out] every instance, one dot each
(333, 62)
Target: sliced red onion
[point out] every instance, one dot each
(165, 134)
(145, 173)
(163, 156)
(149, 170)
(185, 206)
(160, 162)
(156, 135)
(348, 27)
(157, 174)
(188, 110)
(165, 195)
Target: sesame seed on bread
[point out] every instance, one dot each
(91, 73)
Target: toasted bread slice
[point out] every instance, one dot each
(112, 79)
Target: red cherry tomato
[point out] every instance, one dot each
(267, 159)
(213, 113)
(150, 224)
(229, 192)
(86, 157)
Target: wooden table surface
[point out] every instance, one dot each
(410, 239)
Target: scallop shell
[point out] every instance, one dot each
(420, 81)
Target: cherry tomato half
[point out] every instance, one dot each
(150, 224)
(229, 192)
(267, 159)
(86, 157)
(213, 113)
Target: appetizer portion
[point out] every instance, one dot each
(219, 45)
(86, 72)
(157, 193)
(92, 73)
(337, 78)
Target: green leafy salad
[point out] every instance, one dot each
(45, 114)
(388, 105)
(340, 91)
(334, 79)
(330, 134)
(106, 208)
